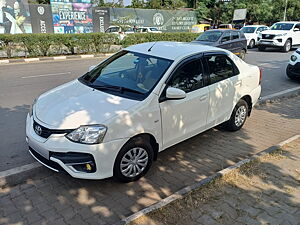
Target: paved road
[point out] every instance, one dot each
(52, 198)
(21, 83)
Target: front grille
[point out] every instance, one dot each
(268, 36)
(45, 161)
(46, 132)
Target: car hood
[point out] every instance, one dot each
(275, 31)
(205, 43)
(73, 104)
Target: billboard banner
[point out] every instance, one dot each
(164, 20)
(239, 14)
(41, 18)
(72, 17)
(14, 17)
(100, 19)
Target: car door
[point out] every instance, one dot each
(236, 42)
(186, 117)
(224, 85)
(296, 35)
(225, 41)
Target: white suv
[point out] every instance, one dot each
(282, 35)
(115, 119)
(252, 33)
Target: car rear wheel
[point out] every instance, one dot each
(134, 160)
(238, 116)
(261, 48)
(252, 44)
(287, 46)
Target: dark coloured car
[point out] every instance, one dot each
(232, 40)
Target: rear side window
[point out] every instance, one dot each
(188, 77)
(220, 68)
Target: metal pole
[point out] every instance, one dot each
(284, 17)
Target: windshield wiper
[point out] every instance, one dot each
(113, 87)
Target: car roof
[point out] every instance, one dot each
(255, 26)
(222, 30)
(171, 50)
(288, 22)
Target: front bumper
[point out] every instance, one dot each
(51, 151)
(271, 42)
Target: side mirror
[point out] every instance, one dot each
(296, 29)
(175, 93)
(91, 68)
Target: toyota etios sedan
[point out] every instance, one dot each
(115, 119)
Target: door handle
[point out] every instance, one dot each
(238, 83)
(203, 97)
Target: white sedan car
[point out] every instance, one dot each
(116, 118)
(252, 33)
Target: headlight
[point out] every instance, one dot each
(31, 108)
(90, 134)
(279, 35)
(293, 58)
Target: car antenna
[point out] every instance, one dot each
(151, 47)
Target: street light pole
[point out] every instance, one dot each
(284, 16)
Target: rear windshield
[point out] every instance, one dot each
(248, 29)
(210, 36)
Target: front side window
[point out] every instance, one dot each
(188, 77)
(226, 37)
(153, 29)
(282, 26)
(127, 74)
(220, 68)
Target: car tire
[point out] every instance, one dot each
(261, 48)
(243, 54)
(238, 116)
(287, 46)
(289, 75)
(251, 44)
(135, 155)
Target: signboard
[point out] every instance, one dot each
(72, 17)
(41, 18)
(164, 20)
(14, 17)
(239, 14)
(100, 19)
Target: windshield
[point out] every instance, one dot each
(211, 36)
(248, 29)
(127, 74)
(282, 26)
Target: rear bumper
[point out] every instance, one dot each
(255, 95)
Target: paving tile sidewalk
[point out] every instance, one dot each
(52, 198)
(265, 191)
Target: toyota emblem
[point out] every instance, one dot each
(38, 130)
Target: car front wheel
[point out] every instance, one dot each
(287, 46)
(238, 116)
(133, 160)
(252, 44)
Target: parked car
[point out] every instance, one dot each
(232, 40)
(283, 35)
(199, 28)
(293, 68)
(115, 119)
(252, 32)
(148, 30)
(120, 31)
(226, 26)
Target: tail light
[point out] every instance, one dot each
(260, 76)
